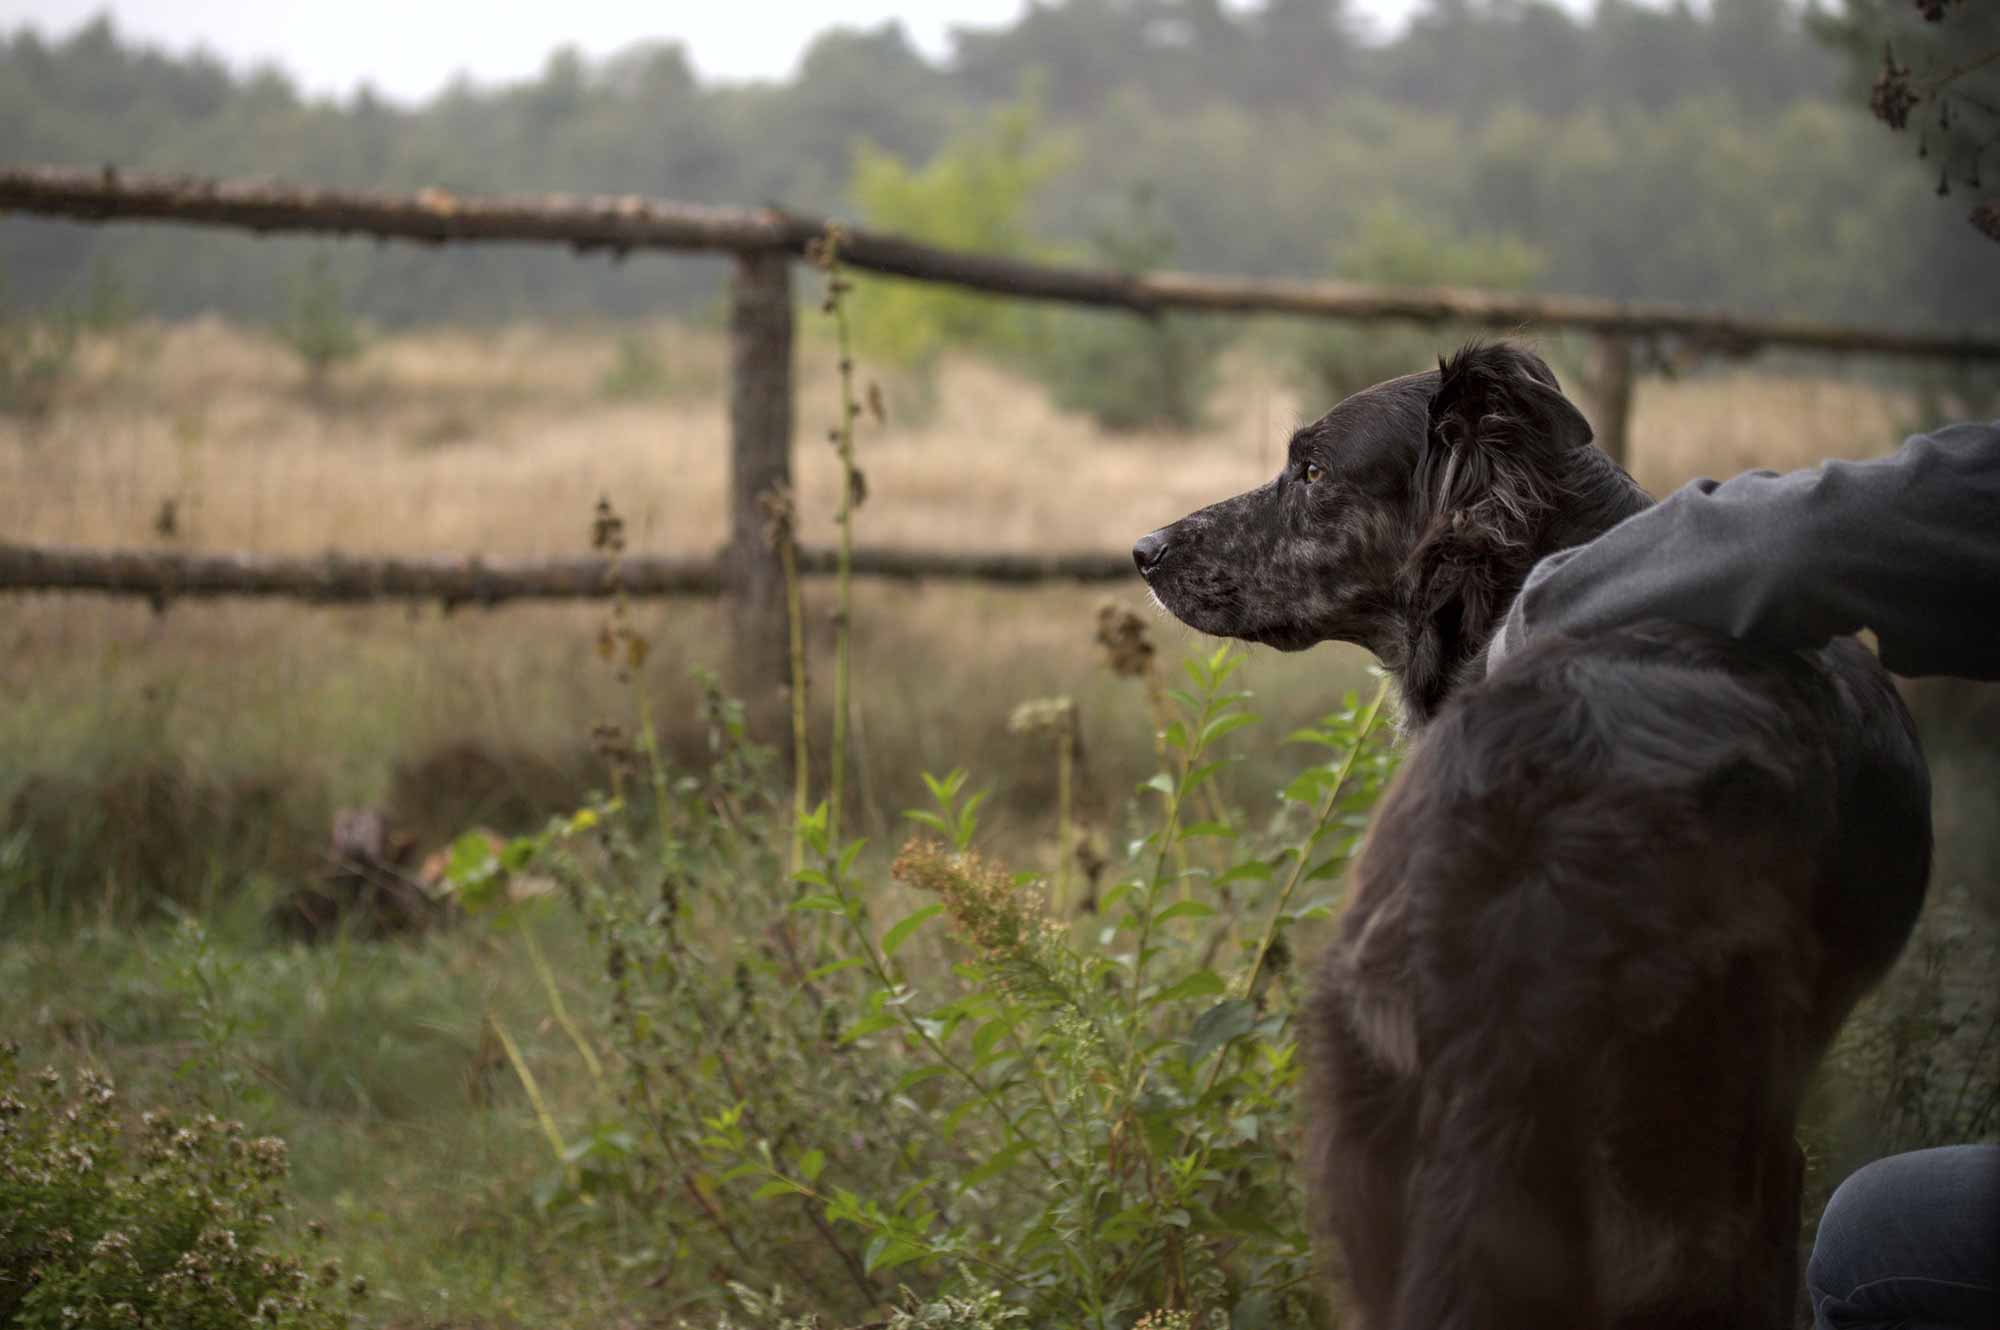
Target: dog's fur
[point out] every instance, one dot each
(1611, 911)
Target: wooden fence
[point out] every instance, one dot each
(764, 243)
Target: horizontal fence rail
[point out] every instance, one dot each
(622, 223)
(761, 399)
(163, 576)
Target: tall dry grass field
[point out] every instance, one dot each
(457, 441)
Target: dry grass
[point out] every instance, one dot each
(456, 441)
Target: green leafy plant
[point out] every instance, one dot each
(835, 1077)
(974, 194)
(172, 1224)
(639, 373)
(318, 327)
(1397, 247)
(1126, 372)
(37, 358)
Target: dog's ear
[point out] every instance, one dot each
(1497, 408)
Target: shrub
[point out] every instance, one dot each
(974, 194)
(1126, 372)
(36, 359)
(171, 1225)
(318, 327)
(639, 372)
(843, 1084)
(1399, 248)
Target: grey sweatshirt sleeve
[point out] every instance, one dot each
(1908, 546)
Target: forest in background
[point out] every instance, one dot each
(1721, 156)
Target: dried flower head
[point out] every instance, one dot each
(781, 515)
(1043, 715)
(1894, 95)
(994, 915)
(1986, 220)
(607, 528)
(1122, 634)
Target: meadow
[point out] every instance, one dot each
(456, 441)
(163, 775)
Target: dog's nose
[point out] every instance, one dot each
(1149, 551)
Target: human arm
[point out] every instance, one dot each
(1908, 546)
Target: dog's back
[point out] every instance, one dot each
(1610, 914)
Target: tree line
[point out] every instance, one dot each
(1719, 155)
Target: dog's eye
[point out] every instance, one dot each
(1313, 473)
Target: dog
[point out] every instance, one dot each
(1610, 912)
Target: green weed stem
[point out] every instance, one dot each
(540, 1105)
(1333, 793)
(843, 442)
(879, 968)
(557, 1005)
(788, 558)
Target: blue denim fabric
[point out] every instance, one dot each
(1912, 1242)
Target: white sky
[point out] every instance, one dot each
(409, 49)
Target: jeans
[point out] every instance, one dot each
(1911, 1242)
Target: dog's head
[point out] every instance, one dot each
(1404, 520)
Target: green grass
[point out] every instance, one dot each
(410, 1136)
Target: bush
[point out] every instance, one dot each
(843, 1085)
(974, 194)
(639, 373)
(36, 360)
(318, 327)
(1396, 247)
(171, 1225)
(1126, 372)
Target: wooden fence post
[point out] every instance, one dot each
(1611, 386)
(760, 460)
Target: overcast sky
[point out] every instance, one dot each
(410, 49)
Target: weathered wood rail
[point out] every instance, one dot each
(624, 223)
(764, 242)
(333, 578)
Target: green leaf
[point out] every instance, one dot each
(811, 1163)
(777, 1187)
(1202, 983)
(1222, 1023)
(1250, 870)
(1163, 781)
(900, 931)
(849, 855)
(820, 902)
(924, 817)
(968, 820)
(1227, 723)
(1001, 1161)
(916, 1076)
(834, 967)
(1183, 910)
(992, 1032)
(868, 1025)
(1331, 866)
(1217, 830)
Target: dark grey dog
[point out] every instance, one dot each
(1611, 911)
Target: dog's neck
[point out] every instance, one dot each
(1455, 605)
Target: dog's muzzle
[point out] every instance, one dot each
(1149, 551)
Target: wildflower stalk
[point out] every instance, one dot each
(1368, 718)
(527, 1078)
(843, 442)
(1367, 727)
(1065, 828)
(878, 967)
(782, 531)
(559, 1007)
